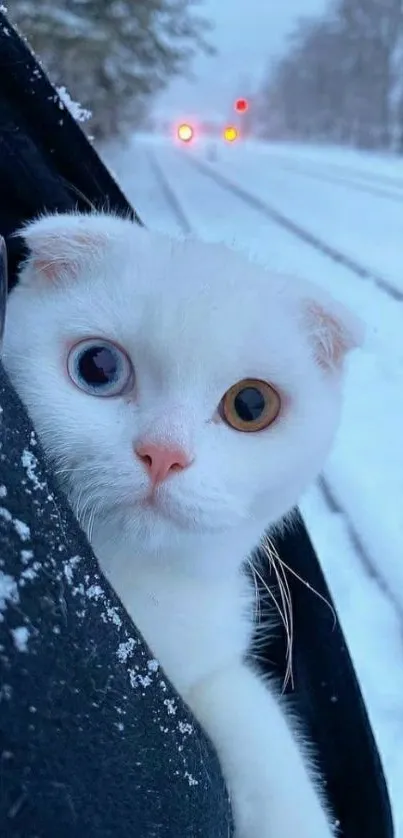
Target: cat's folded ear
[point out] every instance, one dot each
(61, 246)
(333, 330)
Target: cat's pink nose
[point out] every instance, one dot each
(161, 460)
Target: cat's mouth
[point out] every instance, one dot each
(151, 501)
(156, 504)
(185, 513)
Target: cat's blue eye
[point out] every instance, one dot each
(100, 368)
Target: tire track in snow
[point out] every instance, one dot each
(354, 180)
(169, 195)
(363, 175)
(270, 212)
(368, 565)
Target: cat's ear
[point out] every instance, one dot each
(60, 246)
(333, 330)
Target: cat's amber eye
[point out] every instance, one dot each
(250, 405)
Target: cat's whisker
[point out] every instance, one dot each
(76, 503)
(68, 470)
(287, 606)
(87, 467)
(280, 568)
(93, 514)
(285, 614)
(257, 607)
(83, 510)
(303, 581)
(80, 194)
(286, 609)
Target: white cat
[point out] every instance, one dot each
(186, 398)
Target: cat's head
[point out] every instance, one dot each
(178, 388)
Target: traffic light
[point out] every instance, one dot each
(241, 105)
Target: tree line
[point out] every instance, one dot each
(340, 79)
(113, 56)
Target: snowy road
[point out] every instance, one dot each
(345, 232)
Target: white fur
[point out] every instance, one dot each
(194, 318)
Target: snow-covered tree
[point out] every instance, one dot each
(341, 77)
(112, 55)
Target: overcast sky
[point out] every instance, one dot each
(247, 34)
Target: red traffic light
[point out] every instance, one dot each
(241, 105)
